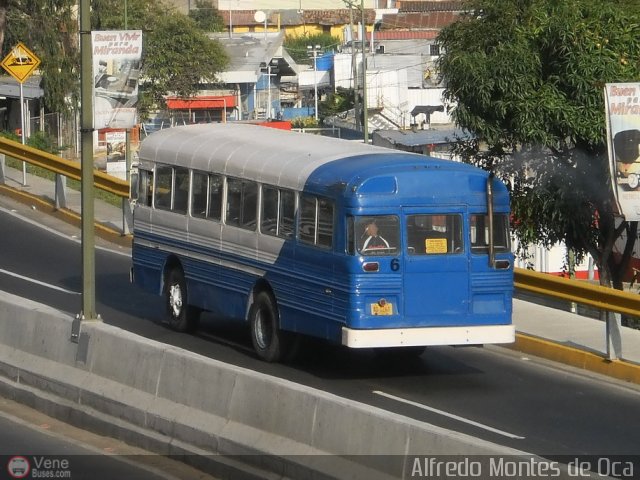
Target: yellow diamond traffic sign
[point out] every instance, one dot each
(20, 62)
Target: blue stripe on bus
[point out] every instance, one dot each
(281, 275)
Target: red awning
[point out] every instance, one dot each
(202, 103)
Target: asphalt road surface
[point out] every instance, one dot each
(33, 445)
(491, 393)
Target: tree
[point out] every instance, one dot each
(49, 28)
(336, 102)
(207, 16)
(177, 56)
(297, 46)
(526, 77)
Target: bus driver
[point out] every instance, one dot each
(373, 241)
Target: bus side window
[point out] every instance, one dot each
(242, 203)
(269, 217)
(286, 221)
(199, 194)
(249, 205)
(234, 202)
(351, 242)
(215, 197)
(325, 223)
(316, 221)
(307, 226)
(180, 190)
(145, 187)
(163, 187)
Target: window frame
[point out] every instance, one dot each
(241, 213)
(316, 221)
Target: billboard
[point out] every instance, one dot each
(622, 103)
(116, 69)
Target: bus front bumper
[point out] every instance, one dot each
(424, 336)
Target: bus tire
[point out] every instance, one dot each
(182, 317)
(269, 342)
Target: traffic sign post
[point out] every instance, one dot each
(20, 63)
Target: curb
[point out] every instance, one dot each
(103, 231)
(619, 369)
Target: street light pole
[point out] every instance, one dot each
(365, 113)
(314, 51)
(269, 91)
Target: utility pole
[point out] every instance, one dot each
(354, 69)
(86, 138)
(365, 113)
(313, 50)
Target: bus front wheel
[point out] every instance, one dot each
(269, 342)
(182, 317)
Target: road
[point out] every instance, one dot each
(38, 446)
(491, 393)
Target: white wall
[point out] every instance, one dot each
(429, 96)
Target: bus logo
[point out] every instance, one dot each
(18, 467)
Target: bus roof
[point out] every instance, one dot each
(283, 158)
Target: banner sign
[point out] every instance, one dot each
(622, 103)
(116, 68)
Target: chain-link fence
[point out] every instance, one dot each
(60, 129)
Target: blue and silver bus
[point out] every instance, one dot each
(302, 235)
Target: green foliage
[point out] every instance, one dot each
(40, 140)
(336, 102)
(527, 78)
(304, 122)
(297, 46)
(43, 141)
(178, 58)
(207, 16)
(49, 29)
(140, 14)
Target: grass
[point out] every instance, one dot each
(108, 197)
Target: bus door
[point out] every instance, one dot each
(436, 268)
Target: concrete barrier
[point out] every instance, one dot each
(175, 402)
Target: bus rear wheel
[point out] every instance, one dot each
(182, 317)
(270, 343)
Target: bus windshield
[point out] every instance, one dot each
(377, 234)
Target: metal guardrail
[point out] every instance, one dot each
(577, 291)
(62, 166)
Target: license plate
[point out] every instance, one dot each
(386, 309)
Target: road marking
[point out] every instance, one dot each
(33, 280)
(73, 238)
(450, 415)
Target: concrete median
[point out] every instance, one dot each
(175, 402)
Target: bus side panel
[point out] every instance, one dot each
(314, 269)
(221, 268)
(277, 256)
(147, 267)
(491, 290)
(147, 259)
